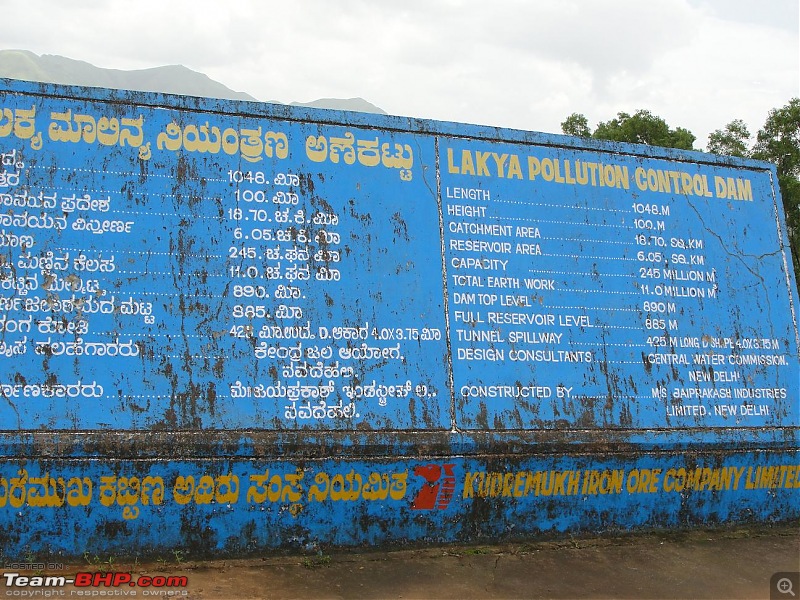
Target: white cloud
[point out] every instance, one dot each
(514, 63)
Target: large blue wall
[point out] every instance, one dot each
(229, 326)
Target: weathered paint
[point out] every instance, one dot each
(233, 326)
(236, 506)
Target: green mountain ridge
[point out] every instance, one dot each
(169, 79)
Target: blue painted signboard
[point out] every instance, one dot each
(208, 271)
(246, 283)
(590, 289)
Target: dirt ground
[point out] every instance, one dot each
(738, 563)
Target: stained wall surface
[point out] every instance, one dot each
(232, 326)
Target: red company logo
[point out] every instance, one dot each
(437, 491)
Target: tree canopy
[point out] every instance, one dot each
(576, 124)
(731, 141)
(642, 127)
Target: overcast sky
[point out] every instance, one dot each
(524, 64)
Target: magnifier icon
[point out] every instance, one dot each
(784, 586)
